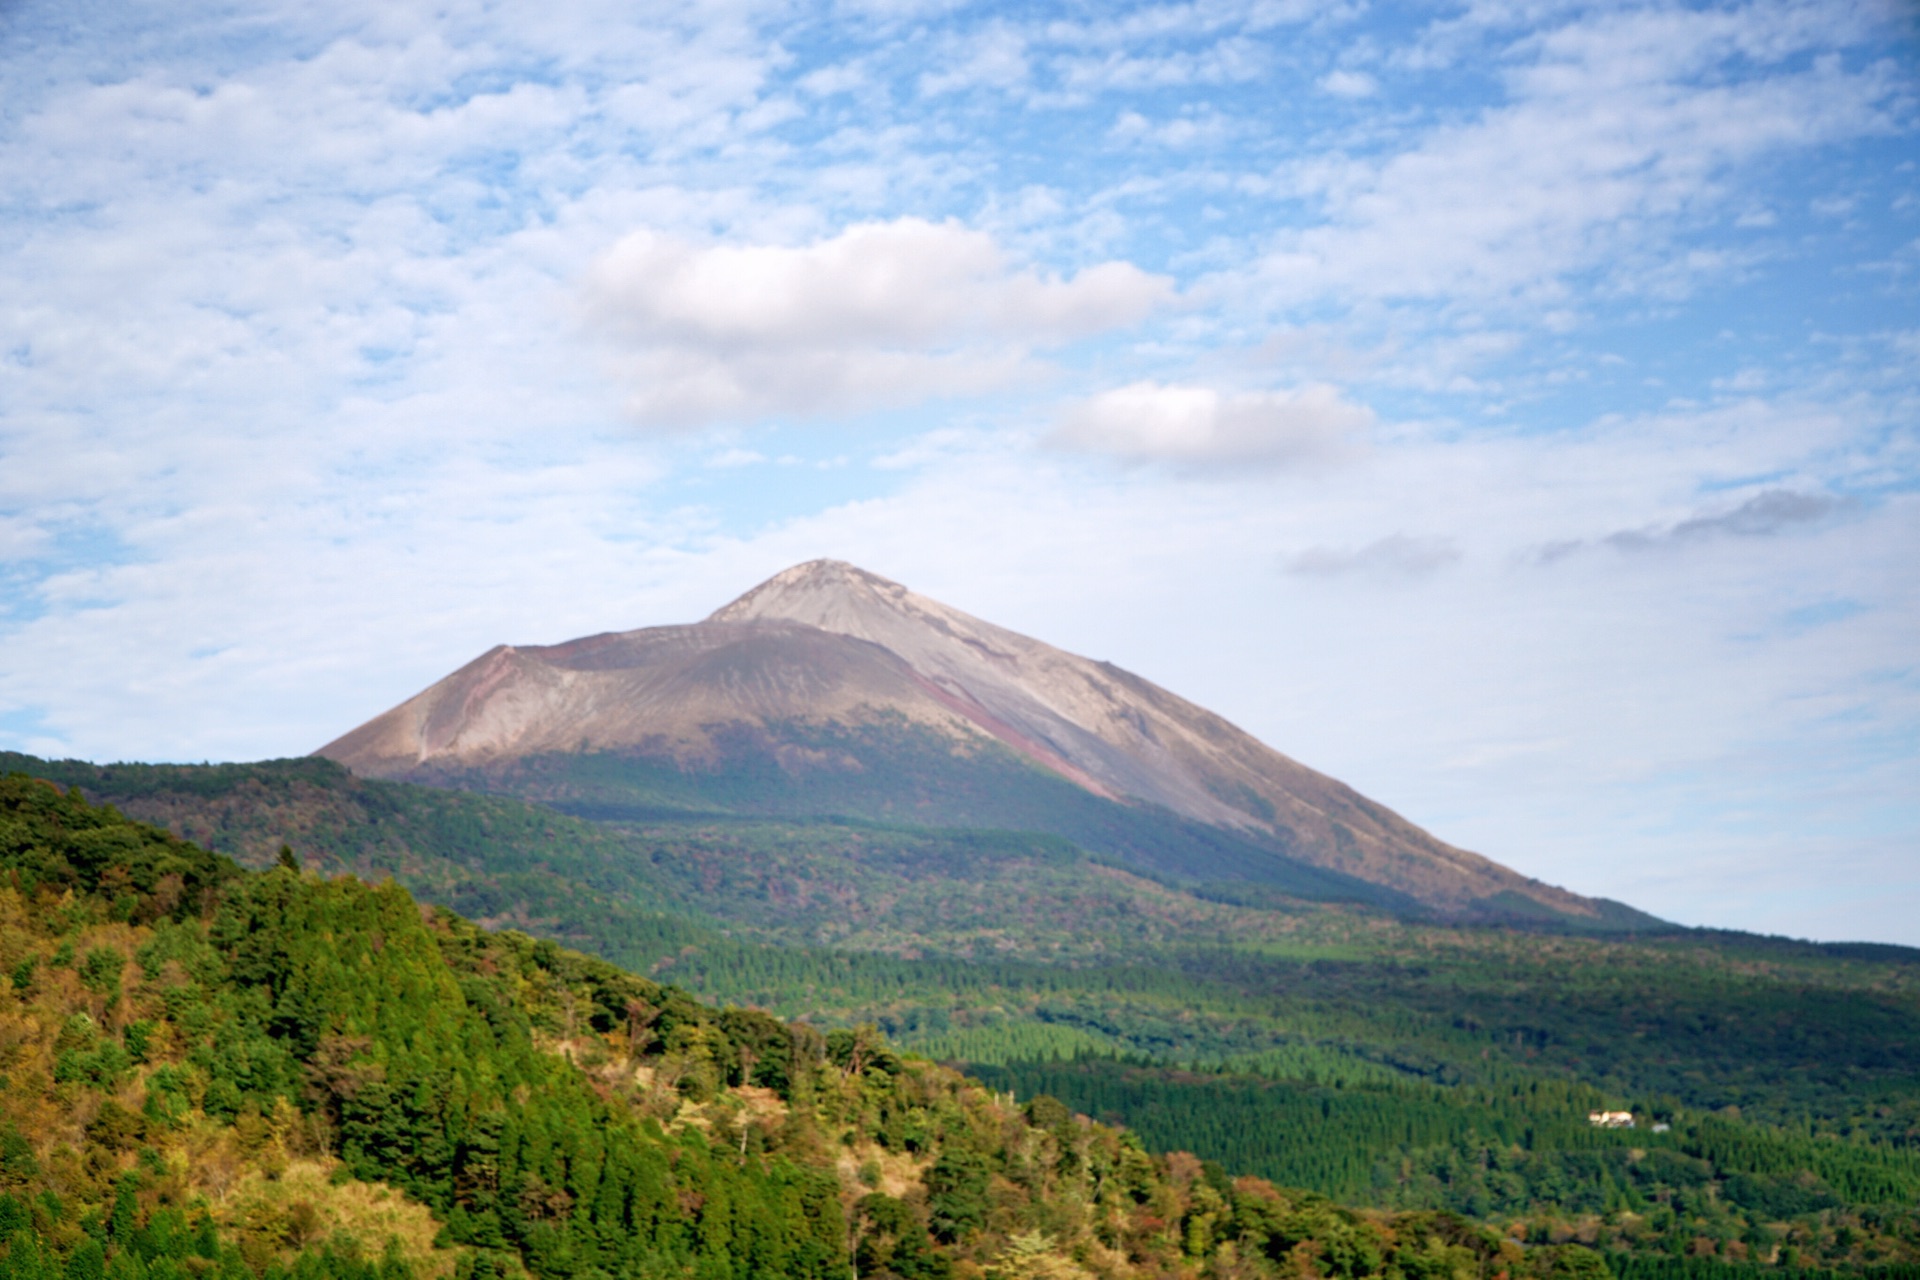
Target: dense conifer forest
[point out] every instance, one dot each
(1398, 1071)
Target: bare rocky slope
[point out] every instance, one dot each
(829, 644)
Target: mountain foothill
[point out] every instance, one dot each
(845, 934)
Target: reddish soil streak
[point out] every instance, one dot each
(1006, 733)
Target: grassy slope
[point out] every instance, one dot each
(1012, 950)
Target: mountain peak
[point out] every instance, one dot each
(940, 641)
(809, 591)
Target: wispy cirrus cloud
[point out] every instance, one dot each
(1618, 133)
(995, 58)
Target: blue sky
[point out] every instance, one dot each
(1509, 408)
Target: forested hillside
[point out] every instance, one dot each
(1388, 1064)
(217, 1072)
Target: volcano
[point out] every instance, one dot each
(831, 690)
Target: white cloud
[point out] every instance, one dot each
(1232, 60)
(884, 313)
(844, 77)
(1158, 422)
(1181, 132)
(1161, 25)
(995, 58)
(1349, 84)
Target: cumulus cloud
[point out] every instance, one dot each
(884, 313)
(1162, 422)
(1397, 556)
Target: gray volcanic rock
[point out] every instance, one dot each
(826, 642)
(662, 689)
